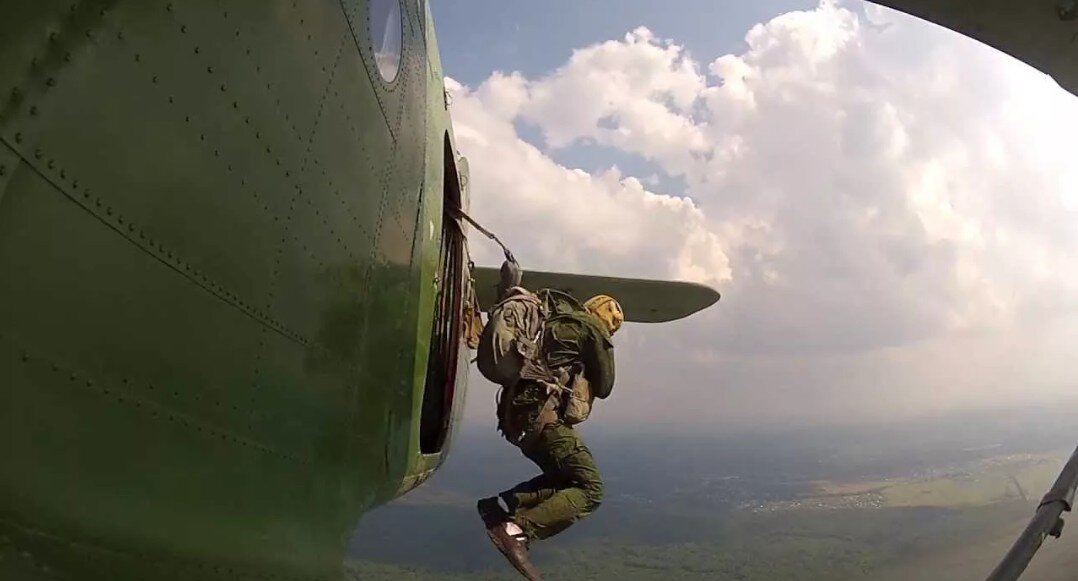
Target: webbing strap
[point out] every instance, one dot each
(458, 213)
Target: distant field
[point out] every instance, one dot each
(782, 508)
(998, 479)
(984, 482)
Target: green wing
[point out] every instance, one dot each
(642, 300)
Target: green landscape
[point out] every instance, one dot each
(823, 505)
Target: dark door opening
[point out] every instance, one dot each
(448, 327)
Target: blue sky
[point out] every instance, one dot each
(478, 37)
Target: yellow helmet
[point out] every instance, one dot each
(606, 309)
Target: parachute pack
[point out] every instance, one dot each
(509, 344)
(511, 349)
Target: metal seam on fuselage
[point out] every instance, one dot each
(162, 255)
(366, 69)
(296, 195)
(9, 161)
(52, 41)
(159, 252)
(110, 387)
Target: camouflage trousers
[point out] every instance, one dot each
(568, 490)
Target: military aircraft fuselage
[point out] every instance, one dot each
(223, 270)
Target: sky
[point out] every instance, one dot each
(889, 209)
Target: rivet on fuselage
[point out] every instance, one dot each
(18, 138)
(33, 111)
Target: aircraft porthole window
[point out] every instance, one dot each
(386, 35)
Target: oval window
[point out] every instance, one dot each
(386, 35)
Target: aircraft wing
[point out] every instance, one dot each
(1047, 520)
(1042, 33)
(642, 300)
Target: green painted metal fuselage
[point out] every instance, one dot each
(220, 246)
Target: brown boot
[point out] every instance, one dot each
(515, 549)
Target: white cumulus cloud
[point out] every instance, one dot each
(869, 199)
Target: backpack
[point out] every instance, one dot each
(575, 398)
(510, 349)
(556, 302)
(509, 345)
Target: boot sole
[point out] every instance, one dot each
(505, 553)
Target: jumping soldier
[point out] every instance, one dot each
(570, 363)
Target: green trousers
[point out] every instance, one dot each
(568, 490)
